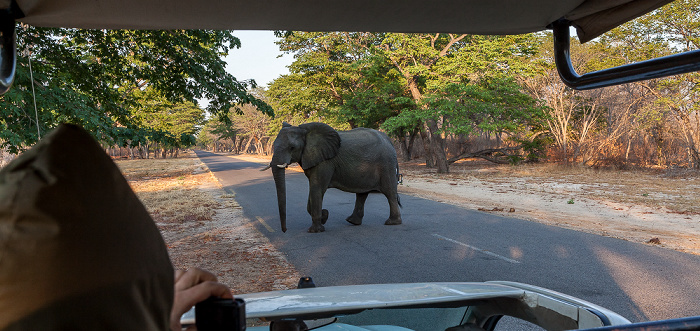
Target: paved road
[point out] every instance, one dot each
(440, 242)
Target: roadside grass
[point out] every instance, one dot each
(204, 227)
(169, 188)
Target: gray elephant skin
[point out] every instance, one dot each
(359, 161)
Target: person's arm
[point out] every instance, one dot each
(191, 287)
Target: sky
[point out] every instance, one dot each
(257, 57)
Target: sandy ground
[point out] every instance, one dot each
(562, 201)
(638, 223)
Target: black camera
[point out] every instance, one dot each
(216, 314)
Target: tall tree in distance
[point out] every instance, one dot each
(175, 125)
(335, 78)
(428, 63)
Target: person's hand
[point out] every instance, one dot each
(191, 287)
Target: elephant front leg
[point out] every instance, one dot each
(359, 212)
(319, 216)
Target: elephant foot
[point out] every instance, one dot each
(354, 220)
(393, 221)
(324, 216)
(316, 228)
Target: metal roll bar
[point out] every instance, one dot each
(656, 68)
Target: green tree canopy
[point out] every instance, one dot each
(336, 79)
(381, 80)
(92, 78)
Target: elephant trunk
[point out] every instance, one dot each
(278, 175)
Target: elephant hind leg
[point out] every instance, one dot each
(394, 212)
(359, 212)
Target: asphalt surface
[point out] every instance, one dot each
(440, 242)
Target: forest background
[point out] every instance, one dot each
(442, 97)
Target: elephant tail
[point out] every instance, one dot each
(399, 180)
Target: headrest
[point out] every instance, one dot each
(78, 250)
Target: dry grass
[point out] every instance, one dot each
(204, 227)
(170, 188)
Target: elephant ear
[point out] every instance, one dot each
(322, 143)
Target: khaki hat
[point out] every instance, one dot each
(78, 250)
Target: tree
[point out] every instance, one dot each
(571, 113)
(254, 126)
(335, 78)
(221, 132)
(91, 78)
(497, 105)
(429, 63)
(297, 99)
(176, 124)
(246, 129)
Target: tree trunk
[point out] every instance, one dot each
(247, 145)
(627, 151)
(405, 151)
(438, 147)
(427, 149)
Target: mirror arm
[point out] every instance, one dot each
(8, 48)
(656, 68)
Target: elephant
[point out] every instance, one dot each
(359, 161)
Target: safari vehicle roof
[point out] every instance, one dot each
(591, 17)
(490, 17)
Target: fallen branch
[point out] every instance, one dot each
(495, 155)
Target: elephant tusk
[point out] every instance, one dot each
(282, 166)
(268, 167)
